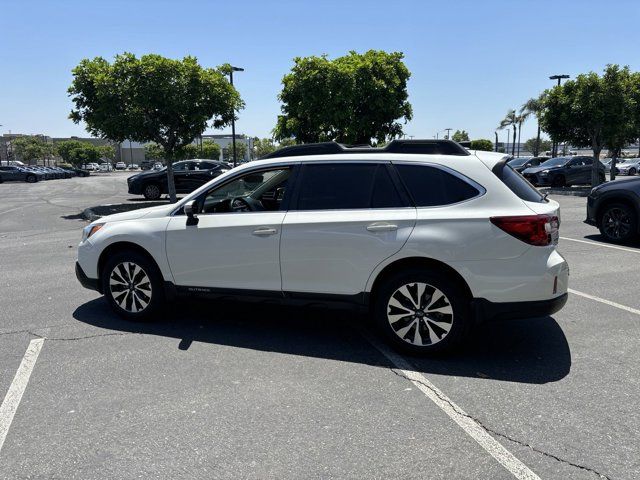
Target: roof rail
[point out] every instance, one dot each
(419, 147)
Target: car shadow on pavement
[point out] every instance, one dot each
(525, 351)
(596, 237)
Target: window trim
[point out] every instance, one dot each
(481, 190)
(295, 198)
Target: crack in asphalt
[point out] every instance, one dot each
(401, 374)
(71, 339)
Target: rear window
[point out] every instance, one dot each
(431, 187)
(518, 185)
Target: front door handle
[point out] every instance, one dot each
(382, 227)
(264, 231)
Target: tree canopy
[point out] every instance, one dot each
(31, 148)
(241, 150)
(594, 111)
(152, 99)
(531, 144)
(460, 136)
(77, 153)
(481, 144)
(352, 99)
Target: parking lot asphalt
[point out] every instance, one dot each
(241, 390)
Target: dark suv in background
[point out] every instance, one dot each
(563, 171)
(614, 207)
(188, 175)
(522, 163)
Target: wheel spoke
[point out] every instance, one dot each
(130, 287)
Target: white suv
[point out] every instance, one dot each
(429, 243)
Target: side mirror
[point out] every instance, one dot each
(190, 211)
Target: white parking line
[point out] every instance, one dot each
(468, 424)
(605, 301)
(633, 250)
(16, 390)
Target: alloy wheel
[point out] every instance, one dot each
(616, 223)
(420, 314)
(152, 192)
(130, 287)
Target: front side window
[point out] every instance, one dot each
(431, 187)
(180, 166)
(255, 191)
(347, 186)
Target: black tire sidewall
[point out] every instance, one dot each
(157, 284)
(634, 223)
(32, 179)
(454, 292)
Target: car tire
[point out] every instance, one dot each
(632, 171)
(618, 223)
(152, 191)
(31, 179)
(415, 304)
(133, 286)
(559, 181)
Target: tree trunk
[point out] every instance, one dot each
(519, 133)
(170, 181)
(614, 161)
(595, 171)
(513, 145)
(537, 152)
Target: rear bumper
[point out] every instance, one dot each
(86, 282)
(485, 310)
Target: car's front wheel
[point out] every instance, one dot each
(32, 178)
(152, 191)
(632, 171)
(132, 284)
(618, 223)
(422, 313)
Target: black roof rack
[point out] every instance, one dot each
(423, 147)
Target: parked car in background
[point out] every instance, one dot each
(428, 244)
(631, 166)
(92, 167)
(147, 164)
(17, 174)
(614, 208)
(42, 175)
(188, 175)
(105, 167)
(78, 171)
(563, 171)
(522, 163)
(121, 166)
(157, 166)
(133, 166)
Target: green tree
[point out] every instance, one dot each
(535, 146)
(153, 151)
(263, 146)
(592, 110)
(533, 106)
(510, 120)
(351, 99)
(210, 150)
(152, 99)
(31, 148)
(78, 153)
(241, 150)
(481, 144)
(460, 136)
(108, 152)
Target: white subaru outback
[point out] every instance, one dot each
(429, 237)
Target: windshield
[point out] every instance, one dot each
(555, 162)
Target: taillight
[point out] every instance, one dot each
(538, 230)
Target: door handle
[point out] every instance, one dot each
(382, 227)
(264, 231)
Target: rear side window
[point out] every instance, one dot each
(430, 186)
(347, 186)
(518, 185)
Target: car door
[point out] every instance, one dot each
(10, 173)
(181, 176)
(202, 173)
(232, 248)
(583, 170)
(345, 219)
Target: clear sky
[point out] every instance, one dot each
(470, 60)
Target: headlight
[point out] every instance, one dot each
(90, 230)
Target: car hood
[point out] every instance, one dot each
(539, 169)
(150, 212)
(149, 173)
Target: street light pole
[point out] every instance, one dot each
(233, 119)
(554, 148)
(496, 147)
(448, 133)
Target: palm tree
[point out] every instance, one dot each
(533, 106)
(510, 120)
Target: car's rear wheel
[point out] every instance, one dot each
(32, 178)
(618, 223)
(152, 191)
(632, 171)
(422, 313)
(132, 284)
(558, 181)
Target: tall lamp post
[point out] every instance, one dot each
(448, 130)
(233, 119)
(496, 148)
(559, 78)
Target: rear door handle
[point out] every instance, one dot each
(382, 227)
(264, 231)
